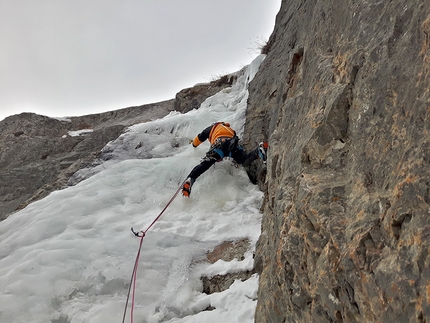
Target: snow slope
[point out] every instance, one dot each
(69, 257)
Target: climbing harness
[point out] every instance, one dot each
(141, 235)
(224, 147)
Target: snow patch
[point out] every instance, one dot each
(79, 132)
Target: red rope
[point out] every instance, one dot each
(141, 235)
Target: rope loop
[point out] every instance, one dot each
(139, 234)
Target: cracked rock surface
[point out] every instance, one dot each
(343, 98)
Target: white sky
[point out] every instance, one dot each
(69, 256)
(76, 57)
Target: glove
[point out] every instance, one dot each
(192, 143)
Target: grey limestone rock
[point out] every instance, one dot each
(343, 98)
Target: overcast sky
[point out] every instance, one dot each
(75, 57)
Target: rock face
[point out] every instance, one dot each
(38, 155)
(343, 98)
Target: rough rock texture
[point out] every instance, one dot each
(38, 156)
(343, 97)
(191, 98)
(226, 251)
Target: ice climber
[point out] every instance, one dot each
(224, 143)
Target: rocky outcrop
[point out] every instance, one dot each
(226, 251)
(343, 98)
(191, 98)
(38, 154)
